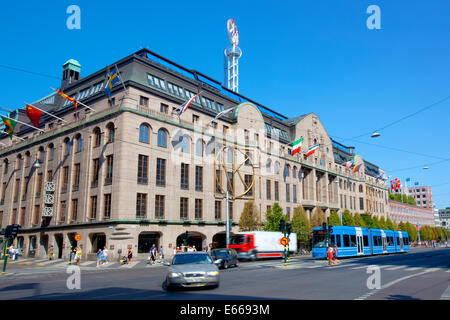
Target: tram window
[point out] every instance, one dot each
(375, 241)
(406, 241)
(346, 240)
(338, 240)
(380, 242)
(353, 240)
(332, 239)
(366, 241)
(398, 241)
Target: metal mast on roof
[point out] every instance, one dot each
(232, 55)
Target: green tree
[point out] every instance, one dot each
(347, 219)
(390, 225)
(375, 222)
(334, 219)
(367, 220)
(249, 217)
(358, 221)
(382, 223)
(273, 217)
(318, 218)
(300, 224)
(412, 231)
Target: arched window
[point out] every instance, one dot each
(5, 166)
(144, 133)
(162, 138)
(185, 144)
(27, 159)
(287, 170)
(199, 147)
(294, 172)
(111, 132)
(268, 165)
(41, 154)
(230, 155)
(360, 188)
(277, 167)
(78, 143)
(51, 151)
(19, 162)
(66, 146)
(97, 137)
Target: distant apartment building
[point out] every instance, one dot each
(403, 212)
(423, 196)
(444, 218)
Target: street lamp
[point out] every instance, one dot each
(37, 164)
(375, 135)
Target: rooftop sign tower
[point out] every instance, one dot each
(232, 55)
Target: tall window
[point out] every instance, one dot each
(184, 176)
(185, 144)
(288, 195)
(248, 184)
(198, 178)
(41, 155)
(161, 172)
(230, 210)
(36, 214)
(111, 132)
(74, 209)
(142, 169)
(76, 176)
(218, 181)
(97, 137)
(268, 190)
(24, 188)
(62, 211)
(143, 101)
(199, 148)
(294, 193)
(51, 152)
(218, 210)
(141, 205)
(164, 108)
(144, 133)
(109, 169)
(67, 147)
(184, 208)
(230, 182)
(16, 190)
(162, 138)
(14, 216)
(93, 211)
(198, 209)
(79, 143)
(95, 171)
(65, 177)
(107, 207)
(159, 207)
(277, 194)
(3, 193)
(39, 184)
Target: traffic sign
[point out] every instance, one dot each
(77, 237)
(284, 241)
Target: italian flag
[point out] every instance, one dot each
(312, 150)
(297, 146)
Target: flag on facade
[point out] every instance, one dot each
(112, 80)
(356, 168)
(416, 183)
(34, 115)
(312, 150)
(75, 102)
(408, 179)
(221, 113)
(10, 125)
(349, 164)
(187, 104)
(297, 146)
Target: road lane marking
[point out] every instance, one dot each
(396, 268)
(446, 294)
(413, 269)
(360, 267)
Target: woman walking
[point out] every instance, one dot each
(335, 254)
(330, 252)
(130, 255)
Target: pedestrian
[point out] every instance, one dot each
(161, 253)
(153, 254)
(104, 255)
(130, 255)
(205, 248)
(330, 255)
(78, 256)
(335, 254)
(99, 257)
(51, 252)
(182, 247)
(72, 255)
(11, 252)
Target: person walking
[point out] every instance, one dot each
(51, 251)
(99, 257)
(130, 255)
(105, 255)
(161, 253)
(330, 255)
(335, 254)
(78, 256)
(153, 254)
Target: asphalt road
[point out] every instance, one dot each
(423, 273)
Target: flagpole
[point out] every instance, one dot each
(77, 101)
(13, 136)
(46, 112)
(23, 123)
(6, 109)
(124, 88)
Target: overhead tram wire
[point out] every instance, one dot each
(401, 119)
(30, 72)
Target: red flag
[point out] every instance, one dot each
(75, 102)
(34, 115)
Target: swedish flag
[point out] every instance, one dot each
(10, 125)
(113, 79)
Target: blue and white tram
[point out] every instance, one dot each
(356, 241)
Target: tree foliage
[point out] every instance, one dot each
(347, 219)
(358, 221)
(334, 219)
(249, 220)
(318, 218)
(273, 217)
(300, 224)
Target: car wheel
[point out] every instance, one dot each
(215, 286)
(225, 264)
(253, 257)
(165, 286)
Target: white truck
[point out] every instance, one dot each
(252, 245)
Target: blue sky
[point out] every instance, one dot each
(298, 57)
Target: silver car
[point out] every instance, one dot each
(192, 269)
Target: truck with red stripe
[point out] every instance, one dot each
(252, 245)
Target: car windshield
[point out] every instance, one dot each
(237, 239)
(192, 258)
(219, 253)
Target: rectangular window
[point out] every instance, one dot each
(277, 195)
(361, 204)
(161, 172)
(346, 240)
(230, 210)
(93, 210)
(141, 205)
(184, 208)
(195, 118)
(268, 190)
(109, 169)
(16, 190)
(142, 177)
(25, 188)
(95, 170)
(198, 178)
(176, 90)
(156, 82)
(218, 210)
(49, 175)
(190, 94)
(39, 182)
(218, 181)
(164, 108)
(159, 207)
(76, 176)
(14, 216)
(143, 101)
(198, 209)
(366, 241)
(353, 240)
(62, 211)
(74, 210)
(3, 193)
(107, 207)
(288, 196)
(36, 214)
(184, 176)
(294, 193)
(248, 184)
(338, 240)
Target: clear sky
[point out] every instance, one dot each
(298, 57)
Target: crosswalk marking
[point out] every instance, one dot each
(446, 294)
(396, 268)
